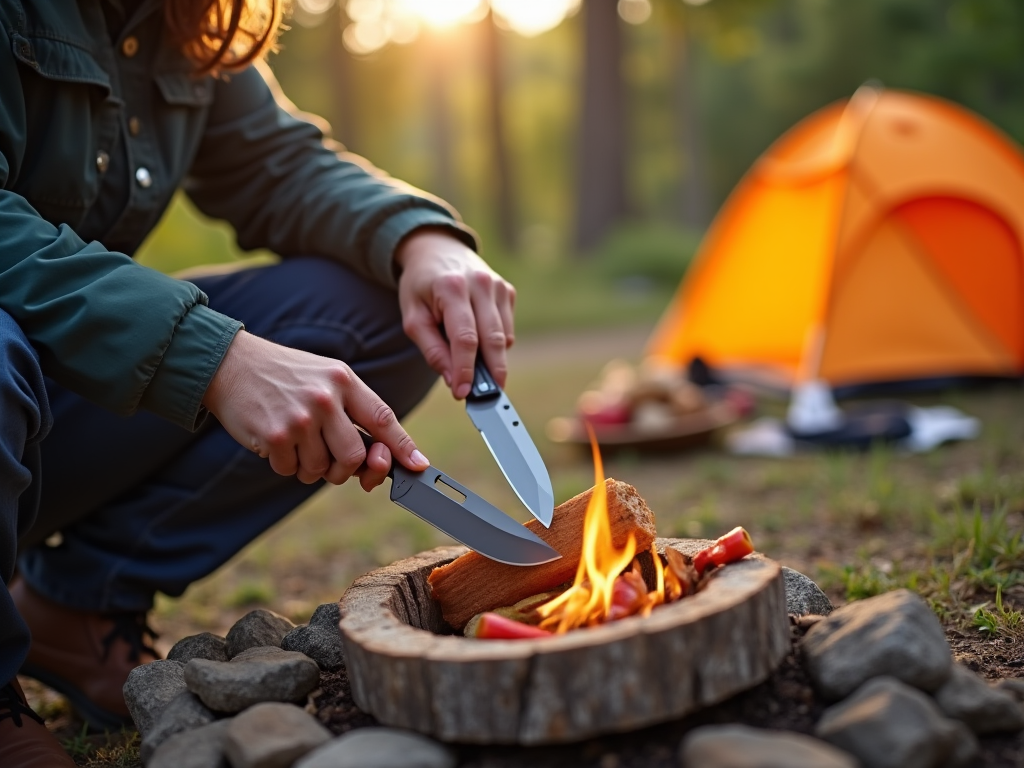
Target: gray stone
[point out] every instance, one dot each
(320, 639)
(984, 709)
(231, 686)
(887, 724)
(803, 596)
(380, 748)
(892, 634)
(259, 652)
(151, 687)
(739, 746)
(199, 748)
(184, 712)
(202, 646)
(272, 735)
(1013, 686)
(259, 627)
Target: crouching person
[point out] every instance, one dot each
(183, 418)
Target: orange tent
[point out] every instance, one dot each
(879, 240)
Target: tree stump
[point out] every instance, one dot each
(408, 670)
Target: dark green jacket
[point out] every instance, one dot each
(85, 121)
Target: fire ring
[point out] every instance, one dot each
(408, 670)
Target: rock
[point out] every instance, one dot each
(257, 628)
(231, 686)
(984, 709)
(202, 646)
(151, 687)
(1013, 686)
(892, 634)
(739, 746)
(259, 652)
(184, 712)
(803, 596)
(272, 735)
(380, 748)
(887, 724)
(320, 639)
(199, 748)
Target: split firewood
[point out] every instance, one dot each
(472, 584)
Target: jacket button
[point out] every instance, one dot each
(134, 126)
(143, 178)
(130, 46)
(102, 161)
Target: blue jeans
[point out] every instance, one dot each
(144, 506)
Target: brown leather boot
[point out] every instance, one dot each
(24, 740)
(85, 656)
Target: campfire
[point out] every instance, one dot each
(609, 583)
(624, 631)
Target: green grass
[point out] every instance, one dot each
(1002, 621)
(963, 557)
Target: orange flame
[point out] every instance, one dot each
(589, 600)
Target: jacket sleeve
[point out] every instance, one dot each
(119, 334)
(272, 173)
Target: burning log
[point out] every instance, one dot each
(472, 584)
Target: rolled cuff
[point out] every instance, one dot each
(398, 226)
(193, 356)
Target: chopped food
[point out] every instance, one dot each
(733, 546)
(494, 626)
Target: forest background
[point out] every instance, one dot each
(591, 142)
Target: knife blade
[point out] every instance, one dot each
(433, 497)
(493, 414)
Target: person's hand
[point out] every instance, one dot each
(445, 283)
(294, 408)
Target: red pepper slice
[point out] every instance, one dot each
(494, 626)
(733, 546)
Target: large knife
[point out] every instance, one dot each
(508, 441)
(452, 508)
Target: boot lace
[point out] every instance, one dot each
(133, 629)
(13, 706)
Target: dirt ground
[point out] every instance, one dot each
(947, 524)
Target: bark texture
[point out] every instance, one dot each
(472, 583)
(601, 186)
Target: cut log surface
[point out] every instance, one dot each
(472, 583)
(621, 676)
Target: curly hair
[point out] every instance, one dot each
(223, 35)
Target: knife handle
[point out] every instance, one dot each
(368, 441)
(484, 386)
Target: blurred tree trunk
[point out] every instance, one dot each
(440, 121)
(695, 205)
(503, 183)
(343, 84)
(601, 191)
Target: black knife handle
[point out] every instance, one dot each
(484, 386)
(367, 442)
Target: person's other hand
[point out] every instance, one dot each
(294, 408)
(445, 283)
